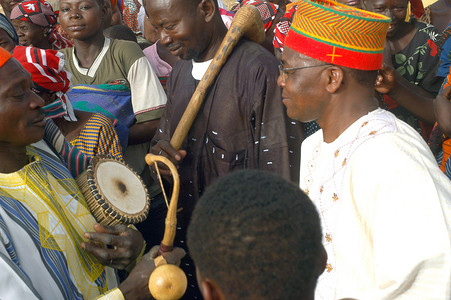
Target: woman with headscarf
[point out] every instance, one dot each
(408, 79)
(35, 24)
(92, 133)
(8, 35)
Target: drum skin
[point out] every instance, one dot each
(115, 194)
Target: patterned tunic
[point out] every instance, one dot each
(43, 218)
(98, 137)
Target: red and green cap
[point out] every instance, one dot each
(338, 34)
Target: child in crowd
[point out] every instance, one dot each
(96, 60)
(254, 235)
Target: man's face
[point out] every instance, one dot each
(21, 116)
(82, 19)
(8, 4)
(6, 42)
(180, 27)
(301, 90)
(394, 9)
(29, 33)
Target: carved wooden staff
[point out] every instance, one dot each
(247, 22)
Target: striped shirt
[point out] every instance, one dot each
(98, 137)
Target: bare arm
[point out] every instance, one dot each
(413, 98)
(142, 132)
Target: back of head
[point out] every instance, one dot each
(120, 32)
(258, 237)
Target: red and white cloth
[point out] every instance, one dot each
(47, 71)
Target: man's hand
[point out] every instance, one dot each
(165, 149)
(386, 80)
(125, 244)
(136, 286)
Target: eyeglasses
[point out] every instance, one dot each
(284, 73)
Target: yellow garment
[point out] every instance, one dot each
(62, 215)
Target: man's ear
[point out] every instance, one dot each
(335, 78)
(210, 290)
(208, 8)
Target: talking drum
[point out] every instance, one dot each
(115, 194)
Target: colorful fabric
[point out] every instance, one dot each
(47, 71)
(98, 137)
(162, 68)
(443, 158)
(283, 26)
(226, 16)
(43, 200)
(4, 56)
(444, 44)
(338, 34)
(6, 25)
(130, 12)
(266, 9)
(113, 101)
(418, 64)
(417, 8)
(41, 13)
(76, 161)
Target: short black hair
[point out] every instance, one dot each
(365, 78)
(258, 236)
(120, 32)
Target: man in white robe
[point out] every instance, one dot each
(383, 202)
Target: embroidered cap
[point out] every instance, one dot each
(4, 56)
(338, 34)
(38, 12)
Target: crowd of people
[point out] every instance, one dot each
(317, 167)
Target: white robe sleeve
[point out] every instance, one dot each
(148, 96)
(403, 215)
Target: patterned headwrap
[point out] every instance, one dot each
(47, 71)
(266, 9)
(283, 26)
(40, 12)
(338, 34)
(6, 25)
(4, 56)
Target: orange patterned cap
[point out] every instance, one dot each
(338, 34)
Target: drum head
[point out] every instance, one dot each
(121, 187)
